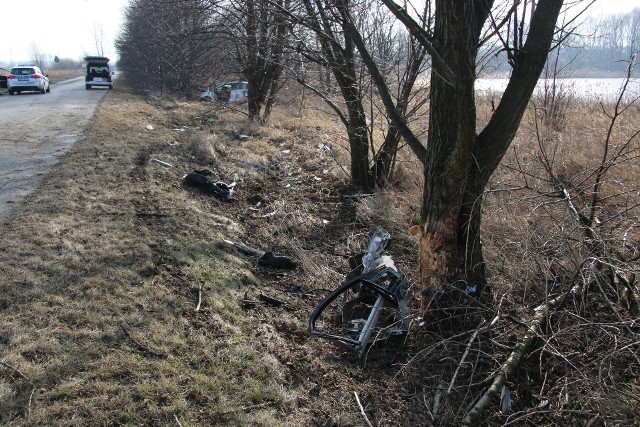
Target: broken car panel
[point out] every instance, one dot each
(375, 302)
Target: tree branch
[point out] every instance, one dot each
(419, 33)
(517, 355)
(396, 118)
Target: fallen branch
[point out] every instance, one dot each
(466, 351)
(513, 361)
(435, 407)
(199, 297)
(364, 415)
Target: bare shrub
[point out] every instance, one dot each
(555, 100)
(562, 223)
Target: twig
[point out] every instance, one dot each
(199, 297)
(436, 402)
(184, 279)
(28, 410)
(466, 351)
(6, 365)
(177, 420)
(464, 356)
(366, 420)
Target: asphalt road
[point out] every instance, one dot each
(35, 131)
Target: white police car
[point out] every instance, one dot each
(24, 78)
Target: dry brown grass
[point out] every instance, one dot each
(60, 75)
(103, 267)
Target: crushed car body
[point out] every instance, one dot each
(374, 302)
(227, 92)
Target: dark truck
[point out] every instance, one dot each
(98, 72)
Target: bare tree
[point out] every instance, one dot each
(99, 36)
(173, 44)
(332, 48)
(260, 34)
(37, 56)
(458, 160)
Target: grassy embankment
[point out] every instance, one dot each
(120, 303)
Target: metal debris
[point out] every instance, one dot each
(160, 162)
(203, 179)
(265, 258)
(377, 302)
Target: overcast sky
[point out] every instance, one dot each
(65, 28)
(62, 28)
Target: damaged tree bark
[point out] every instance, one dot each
(460, 162)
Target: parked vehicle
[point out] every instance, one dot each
(98, 72)
(24, 78)
(3, 78)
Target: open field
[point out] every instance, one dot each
(121, 303)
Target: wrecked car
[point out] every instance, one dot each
(372, 305)
(228, 92)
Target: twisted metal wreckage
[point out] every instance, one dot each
(375, 302)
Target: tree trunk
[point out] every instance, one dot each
(459, 162)
(254, 103)
(385, 157)
(358, 138)
(450, 146)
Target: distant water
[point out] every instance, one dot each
(602, 89)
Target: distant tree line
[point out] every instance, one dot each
(607, 44)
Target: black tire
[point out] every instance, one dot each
(48, 89)
(88, 87)
(42, 91)
(110, 87)
(11, 92)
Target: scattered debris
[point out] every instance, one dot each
(239, 136)
(149, 127)
(160, 162)
(265, 258)
(377, 301)
(505, 400)
(264, 300)
(201, 179)
(207, 95)
(324, 149)
(269, 259)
